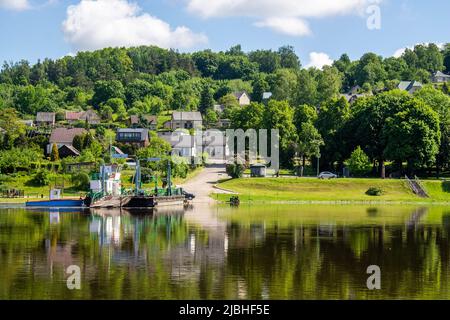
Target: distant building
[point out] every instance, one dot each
(242, 98)
(266, 96)
(219, 108)
(439, 77)
(28, 123)
(90, 115)
(185, 120)
(352, 97)
(215, 145)
(63, 137)
(45, 118)
(148, 121)
(224, 123)
(410, 86)
(183, 144)
(68, 151)
(138, 137)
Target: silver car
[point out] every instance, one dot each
(327, 175)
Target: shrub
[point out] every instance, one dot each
(235, 170)
(375, 191)
(446, 186)
(81, 181)
(359, 162)
(41, 178)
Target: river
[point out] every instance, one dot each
(219, 252)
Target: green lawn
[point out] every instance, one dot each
(313, 189)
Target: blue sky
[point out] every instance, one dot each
(33, 29)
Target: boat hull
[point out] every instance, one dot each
(56, 203)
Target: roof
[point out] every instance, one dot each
(63, 135)
(266, 95)
(441, 74)
(408, 85)
(189, 116)
(71, 148)
(239, 94)
(179, 140)
(143, 132)
(150, 119)
(45, 117)
(214, 138)
(82, 115)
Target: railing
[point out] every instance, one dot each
(422, 187)
(417, 187)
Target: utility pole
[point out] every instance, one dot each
(318, 164)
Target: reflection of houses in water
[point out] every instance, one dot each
(107, 228)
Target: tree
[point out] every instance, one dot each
(304, 113)
(359, 162)
(211, 117)
(329, 84)
(55, 153)
(309, 142)
(267, 60)
(306, 91)
(248, 117)
(260, 86)
(280, 115)
(283, 84)
(105, 90)
(288, 58)
(41, 178)
(206, 99)
(235, 170)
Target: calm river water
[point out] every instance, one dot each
(218, 252)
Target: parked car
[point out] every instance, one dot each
(327, 175)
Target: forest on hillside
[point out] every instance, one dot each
(306, 103)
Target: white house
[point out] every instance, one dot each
(242, 98)
(440, 77)
(410, 86)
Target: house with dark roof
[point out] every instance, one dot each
(134, 136)
(147, 121)
(45, 118)
(90, 115)
(242, 97)
(440, 77)
(410, 86)
(185, 120)
(64, 137)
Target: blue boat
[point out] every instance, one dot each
(57, 203)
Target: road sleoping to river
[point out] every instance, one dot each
(221, 252)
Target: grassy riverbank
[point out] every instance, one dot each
(313, 189)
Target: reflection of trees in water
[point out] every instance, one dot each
(160, 256)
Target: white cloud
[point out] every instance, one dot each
(319, 60)
(290, 26)
(95, 24)
(399, 52)
(15, 4)
(270, 13)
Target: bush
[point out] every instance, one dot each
(375, 191)
(359, 162)
(235, 170)
(81, 181)
(41, 178)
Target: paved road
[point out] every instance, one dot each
(202, 184)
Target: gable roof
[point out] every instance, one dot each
(65, 136)
(45, 117)
(239, 94)
(71, 148)
(408, 85)
(441, 74)
(188, 116)
(150, 119)
(82, 115)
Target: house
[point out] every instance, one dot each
(410, 86)
(90, 115)
(45, 118)
(138, 137)
(185, 120)
(63, 136)
(242, 98)
(219, 108)
(224, 123)
(440, 77)
(65, 151)
(28, 123)
(147, 121)
(182, 143)
(215, 145)
(352, 97)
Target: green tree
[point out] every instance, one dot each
(105, 90)
(309, 142)
(359, 162)
(54, 156)
(206, 99)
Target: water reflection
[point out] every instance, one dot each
(206, 252)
